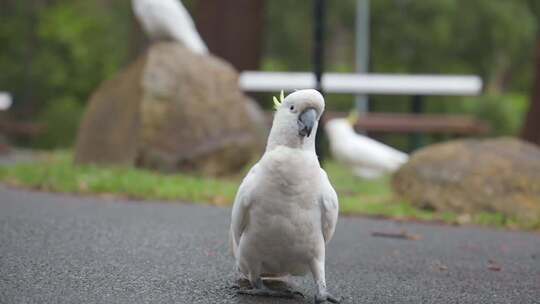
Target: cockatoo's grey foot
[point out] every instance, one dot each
(265, 292)
(242, 284)
(321, 298)
(277, 284)
(259, 289)
(317, 269)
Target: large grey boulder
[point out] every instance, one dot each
(470, 176)
(172, 110)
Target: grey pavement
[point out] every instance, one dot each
(63, 249)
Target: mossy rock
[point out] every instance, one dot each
(472, 176)
(172, 110)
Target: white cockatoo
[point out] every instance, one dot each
(286, 210)
(169, 20)
(366, 157)
(5, 101)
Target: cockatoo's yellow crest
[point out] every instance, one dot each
(277, 103)
(353, 117)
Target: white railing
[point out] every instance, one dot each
(382, 84)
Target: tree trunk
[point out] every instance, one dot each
(531, 128)
(233, 30)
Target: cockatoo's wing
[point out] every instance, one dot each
(329, 208)
(240, 210)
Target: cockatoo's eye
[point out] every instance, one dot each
(292, 108)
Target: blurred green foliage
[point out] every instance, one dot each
(56, 52)
(490, 38)
(61, 119)
(503, 111)
(80, 46)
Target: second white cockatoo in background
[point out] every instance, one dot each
(366, 157)
(169, 20)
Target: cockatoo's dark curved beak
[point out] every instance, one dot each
(306, 121)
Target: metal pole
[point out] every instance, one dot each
(417, 140)
(362, 49)
(318, 67)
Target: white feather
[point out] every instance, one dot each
(330, 208)
(367, 157)
(169, 19)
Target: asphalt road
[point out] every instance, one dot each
(62, 249)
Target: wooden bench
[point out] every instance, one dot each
(418, 123)
(18, 128)
(415, 123)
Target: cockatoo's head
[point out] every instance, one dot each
(337, 127)
(296, 118)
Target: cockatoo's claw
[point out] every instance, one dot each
(242, 283)
(326, 297)
(298, 293)
(330, 298)
(265, 292)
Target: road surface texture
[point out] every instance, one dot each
(63, 249)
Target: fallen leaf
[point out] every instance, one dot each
(83, 186)
(440, 266)
(397, 235)
(493, 266)
(463, 219)
(220, 201)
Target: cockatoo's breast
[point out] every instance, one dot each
(285, 221)
(291, 168)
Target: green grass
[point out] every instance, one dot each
(373, 198)
(56, 172)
